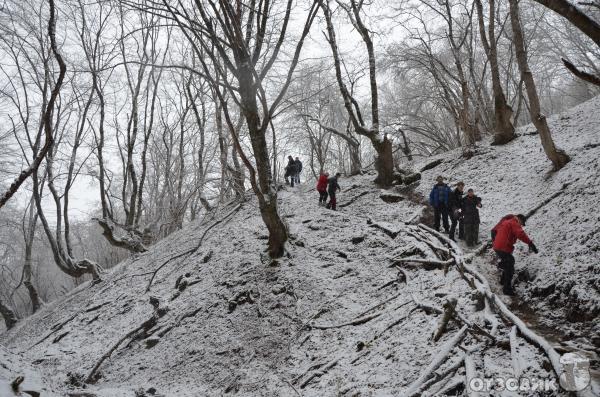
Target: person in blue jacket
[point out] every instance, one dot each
(439, 199)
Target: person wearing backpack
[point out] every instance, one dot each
(332, 187)
(322, 188)
(470, 217)
(504, 236)
(439, 198)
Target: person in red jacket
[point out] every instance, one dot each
(322, 188)
(504, 236)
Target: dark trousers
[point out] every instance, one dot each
(322, 196)
(293, 178)
(297, 177)
(441, 211)
(456, 221)
(507, 266)
(471, 233)
(332, 201)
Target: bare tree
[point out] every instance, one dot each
(558, 157)
(384, 161)
(233, 37)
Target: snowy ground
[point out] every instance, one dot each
(248, 326)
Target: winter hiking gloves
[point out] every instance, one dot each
(533, 248)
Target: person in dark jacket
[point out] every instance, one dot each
(455, 211)
(439, 198)
(322, 188)
(470, 217)
(332, 187)
(298, 169)
(505, 234)
(290, 171)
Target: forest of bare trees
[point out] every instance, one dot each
(123, 120)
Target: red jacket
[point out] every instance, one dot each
(322, 183)
(508, 230)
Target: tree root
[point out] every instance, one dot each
(320, 372)
(146, 325)
(192, 250)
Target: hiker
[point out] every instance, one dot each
(470, 217)
(290, 171)
(298, 169)
(455, 211)
(331, 189)
(322, 188)
(439, 199)
(504, 237)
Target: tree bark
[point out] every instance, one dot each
(557, 156)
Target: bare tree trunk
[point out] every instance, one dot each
(505, 131)
(9, 315)
(557, 156)
(267, 195)
(29, 235)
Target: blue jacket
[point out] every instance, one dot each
(440, 194)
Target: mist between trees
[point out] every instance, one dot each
(162, 111)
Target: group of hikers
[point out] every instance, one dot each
(451, 208)
(327, 186)
(463, 212)
(292, 171)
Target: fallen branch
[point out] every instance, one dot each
(415, 388)
(321, 372)
(353, 199)
(146, 325)
(357, 321)
(547, 200)
(517, 362)
(470, 374)
(449, 311)
(432, 263)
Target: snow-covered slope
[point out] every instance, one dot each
(562, 283)
(205, 312)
